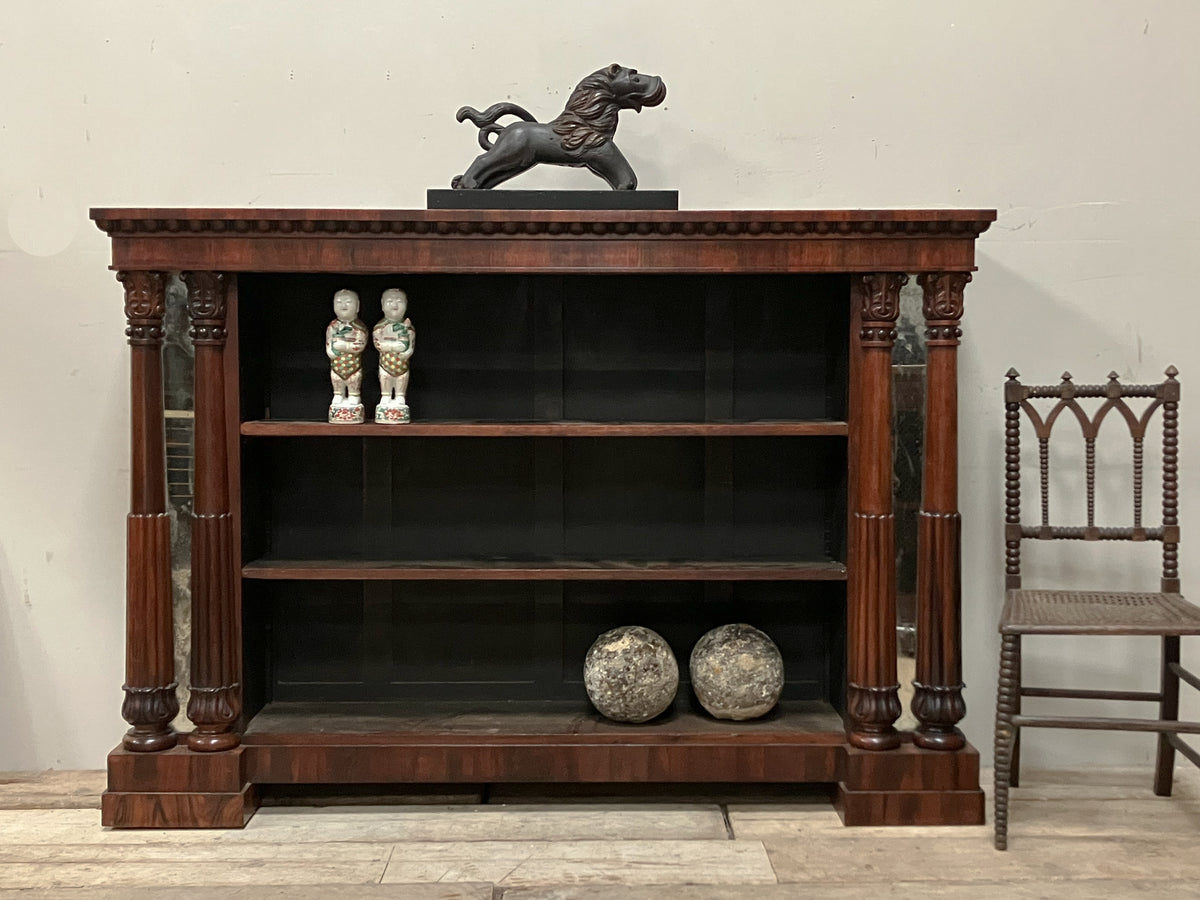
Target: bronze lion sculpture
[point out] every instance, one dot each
(581, 136)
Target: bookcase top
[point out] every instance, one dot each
(479, 240)
(846, 222)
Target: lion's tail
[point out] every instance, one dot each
(486, 121)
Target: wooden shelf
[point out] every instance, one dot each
(552, 570)
(291, 743)
(447, 428)
(502, 721)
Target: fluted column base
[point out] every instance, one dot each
(873, 710)
(938, 707)
(151, 710)
(214, 710)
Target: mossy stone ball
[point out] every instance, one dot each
(630, 674)
(737, 672)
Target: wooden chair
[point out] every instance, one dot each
(1091, 612)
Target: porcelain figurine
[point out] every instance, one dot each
(395, 339)
(345, 341)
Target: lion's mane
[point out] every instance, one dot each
(590, 117)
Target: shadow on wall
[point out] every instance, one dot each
(667, 157)
(1013, 322)
(16, 746)
(88, 724)
(673, 156)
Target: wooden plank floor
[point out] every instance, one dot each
(1099, 832)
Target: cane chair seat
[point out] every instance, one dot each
(1098, 612)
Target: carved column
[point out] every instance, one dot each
(937, 700)
(873, 704)
(150, 701)
(215, 700)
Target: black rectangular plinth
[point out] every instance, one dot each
(443, 198)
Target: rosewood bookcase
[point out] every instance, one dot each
(670, 418)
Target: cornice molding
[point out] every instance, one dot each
(547, 223)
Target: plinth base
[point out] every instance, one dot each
(177, 788)
(910, 786)
(178, 810)
(909, 807)
(180, 788)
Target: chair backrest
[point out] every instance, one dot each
(1053, 400)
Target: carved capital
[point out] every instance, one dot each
(145, 303)
(150, 711)
(206, 306)
(145, 296)
(943, 294)
(942, 305)
(880, 294)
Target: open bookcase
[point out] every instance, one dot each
(673, 419)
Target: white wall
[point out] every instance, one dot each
(1076, 120)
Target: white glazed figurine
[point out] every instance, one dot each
(345, 340)
(395, 339)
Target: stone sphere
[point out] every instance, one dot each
(737, 672)
(630, 674)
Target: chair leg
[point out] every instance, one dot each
(1015, 777)
(1168, 710)
(1007, 698)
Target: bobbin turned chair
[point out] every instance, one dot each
(1091, 612)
